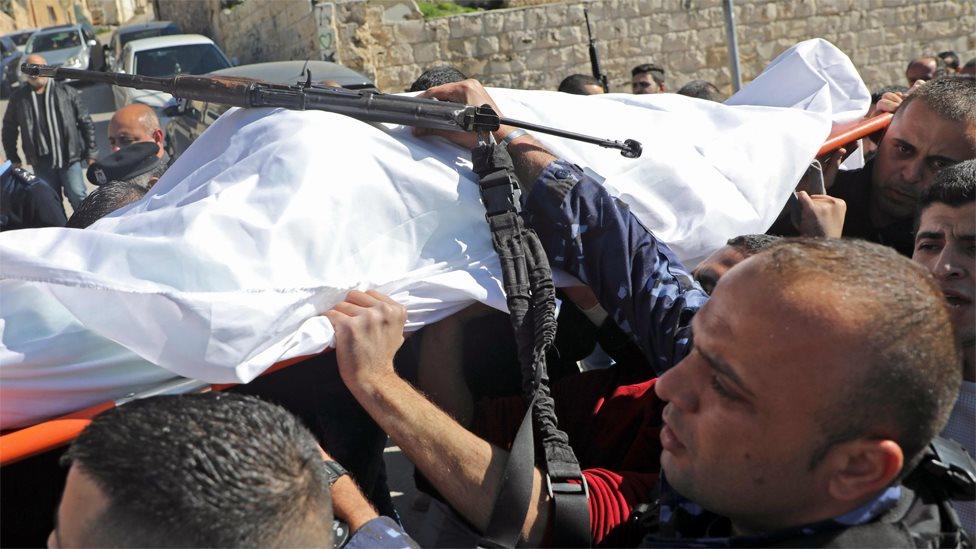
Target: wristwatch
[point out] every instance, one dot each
(334, 470)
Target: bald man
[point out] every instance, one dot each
(56, 133)
(134, 123)
(924, 68)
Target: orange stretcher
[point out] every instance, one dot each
(54, 433)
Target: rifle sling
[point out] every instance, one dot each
(530, 295)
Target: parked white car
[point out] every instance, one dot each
(165, 56)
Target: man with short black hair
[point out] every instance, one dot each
(735, 251)
(581, 84)
(208, 470)
(436, 76)
(951, 60)
(103, 201)
(702, 89)
(945, 244)
(933, 128)
(647, 78)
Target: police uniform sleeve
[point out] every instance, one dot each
(43, 207)
(636, 278)
(381, 533)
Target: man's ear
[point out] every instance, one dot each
(861, 468)
(158, 137)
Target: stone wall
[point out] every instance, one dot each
(254, 31)
(24, 14)
(535, 47)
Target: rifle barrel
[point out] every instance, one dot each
(361, 105)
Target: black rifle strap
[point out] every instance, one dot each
(530, 295)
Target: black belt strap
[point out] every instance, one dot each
(530, 295)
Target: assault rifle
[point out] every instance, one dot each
(594, 60)
(365, 105)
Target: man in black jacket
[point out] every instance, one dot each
(933, 128)
(56, 133)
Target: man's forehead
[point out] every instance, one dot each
(761, 322)
(943, 218)
(918, 125)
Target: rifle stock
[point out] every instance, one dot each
(368, 106)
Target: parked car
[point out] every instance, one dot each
(10, 58)
(128, 33)
(72, 46)
(189, 119)
(165, 56)
(20, 37)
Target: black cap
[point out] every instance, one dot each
(125, 163)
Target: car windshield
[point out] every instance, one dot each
(54, 41)
(146, 33)
(21, 38)
(190, 59)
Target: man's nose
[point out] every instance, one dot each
(951, 265)
(914, 172)
(677, 386)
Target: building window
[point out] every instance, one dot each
(53, 17)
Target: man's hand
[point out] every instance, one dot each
(831, 165)
(890, 101)
(469, 92)
(368, 332)
(17, 165)
(821, 215)
(91, 161)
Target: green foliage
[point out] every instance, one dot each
(435, 9)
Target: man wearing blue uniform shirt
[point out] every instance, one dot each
(26, 202)
(819, 374)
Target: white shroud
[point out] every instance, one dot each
(271, 216)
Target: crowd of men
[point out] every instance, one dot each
(812, 386)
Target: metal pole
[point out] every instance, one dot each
(733, 44)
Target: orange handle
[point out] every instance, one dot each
(847, 133)
(40, 438)
(54, 433)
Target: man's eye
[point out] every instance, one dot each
(927, 247)
(903, 149)
(720, 389)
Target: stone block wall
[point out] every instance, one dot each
(537, 46)
(253, 32)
